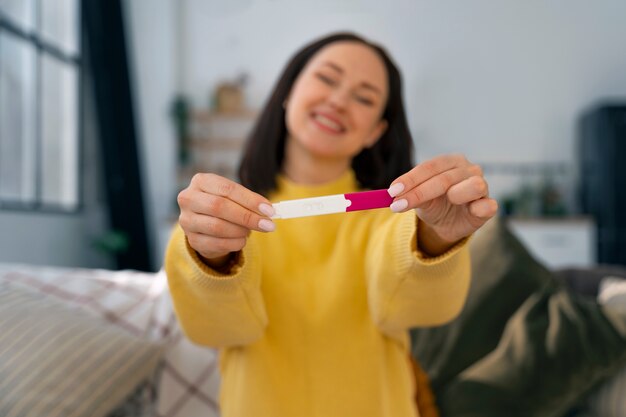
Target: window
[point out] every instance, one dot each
(39, 104)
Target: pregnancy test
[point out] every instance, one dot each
(338, 203)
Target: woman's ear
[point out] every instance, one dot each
(378, 131)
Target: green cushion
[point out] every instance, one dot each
(555, 349)
(59, 362)
(504, 275)
(523, 345)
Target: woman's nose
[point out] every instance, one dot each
(339, 98)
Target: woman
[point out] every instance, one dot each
(311, 314)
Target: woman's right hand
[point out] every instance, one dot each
(217, 215)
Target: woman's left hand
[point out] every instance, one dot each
(449, 194)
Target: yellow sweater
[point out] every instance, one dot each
(313, 320)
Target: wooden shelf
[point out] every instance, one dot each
(217, 140)
(218, 144)
(209, 116)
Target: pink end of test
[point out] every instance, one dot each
(366, 200)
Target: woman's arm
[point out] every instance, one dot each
(215, 307)
(408, 288)
(420, 269)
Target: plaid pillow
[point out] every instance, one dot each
(138, 303)
(57, 362)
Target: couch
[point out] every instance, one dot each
(529, 342)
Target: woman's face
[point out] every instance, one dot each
(335, 106)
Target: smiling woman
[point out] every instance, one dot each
(335, 107)
(312, 313)
(369, 91)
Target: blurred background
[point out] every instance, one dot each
(108, 107)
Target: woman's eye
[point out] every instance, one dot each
(364, 100)
(326, 79)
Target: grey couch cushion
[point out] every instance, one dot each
(586, 281)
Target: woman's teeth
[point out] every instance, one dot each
(328, 123)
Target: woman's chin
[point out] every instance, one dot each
(325, 147)
(326, 152)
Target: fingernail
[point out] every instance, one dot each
(267, 225)
(267, 209)
(395, 189)
(399, 205)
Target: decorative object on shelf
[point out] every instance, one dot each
(544, 200)
(229, 96)
(551, 199)
(528, 201)
(541, 191)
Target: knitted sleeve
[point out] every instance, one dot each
(407, 288)
(214, 308)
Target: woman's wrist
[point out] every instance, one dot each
(430, 242)
(222, 264)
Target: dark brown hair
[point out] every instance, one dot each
(375, 167)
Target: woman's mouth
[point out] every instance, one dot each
(328, 123)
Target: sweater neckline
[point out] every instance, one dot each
(344, 184)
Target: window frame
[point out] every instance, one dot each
(42, 47)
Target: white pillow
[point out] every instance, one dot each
(612, 292)
(610, 398)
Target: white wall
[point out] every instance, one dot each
(501, 81)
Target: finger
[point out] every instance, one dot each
(212, 205)
(468, 190)
(211, 226)
(424, 171)
(212, 247)
(484, 208)
(234, 213)
(223, 187)
(430, 189)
